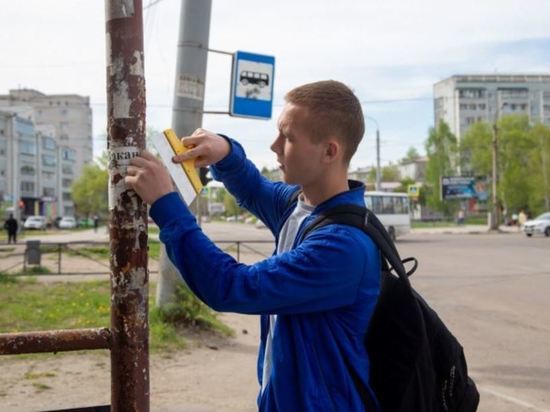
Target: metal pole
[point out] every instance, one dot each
(54, 341)
(378, 172)
(378, 177)
(127, 212)
(495, 218)
(187, 107)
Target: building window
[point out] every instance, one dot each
(27, 187)
(48, 191)
(67, 197)
(27, 148)
(67, 183)
(48, 143)
(471, 93)
(48, 175)
(27, 170)
(67, 170)
(482, 106)
(48, 160)
(472, 106)
(68, 154)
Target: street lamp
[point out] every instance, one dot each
(377, 187)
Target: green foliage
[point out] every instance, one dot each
(231, 206)
(412, 154)
(35, 270)
(28, 305)
(523, 161)
(442, 151)
(89, 192)
(188, 310)
(389, 173)
(404, 187)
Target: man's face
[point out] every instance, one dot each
(299, 157)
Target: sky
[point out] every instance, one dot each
(389, 52)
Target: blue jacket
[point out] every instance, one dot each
(323, 291)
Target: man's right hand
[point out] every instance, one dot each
(205, 147)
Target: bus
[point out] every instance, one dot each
(392, 209)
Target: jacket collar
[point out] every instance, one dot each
(355, 195)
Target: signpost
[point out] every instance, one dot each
(252, 85)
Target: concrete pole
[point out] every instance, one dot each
(188, 105)
(378, 171)
(127, 212)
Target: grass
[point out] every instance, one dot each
(31, 306)
(34, 270)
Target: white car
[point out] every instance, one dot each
(539, 225)
(67, 222)
(35, 222)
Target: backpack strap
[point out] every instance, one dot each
(364, 219)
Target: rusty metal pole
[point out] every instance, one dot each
(127, 212)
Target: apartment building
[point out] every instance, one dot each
(69, 114)
(463, 100)
(36, 173)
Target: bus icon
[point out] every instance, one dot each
(248, 77)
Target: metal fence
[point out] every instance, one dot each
(91, 258)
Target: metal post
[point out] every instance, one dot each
(59, 258)
(378, 177)
(495, 212)
(127, 212)
(188, 106)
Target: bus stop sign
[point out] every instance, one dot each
(252, 85)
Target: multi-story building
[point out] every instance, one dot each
(36, 172)
(69, 114)
(462, 100)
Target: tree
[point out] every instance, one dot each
(412, 154)
(89, 192)
(442, 150)
(389, 173)
(523, 153)
(540, 199)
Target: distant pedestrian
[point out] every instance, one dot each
(96, 223)
(460, 217)
(11, 227)
(522, 218)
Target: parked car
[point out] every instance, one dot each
(67, 222)
(35, 222)
(539, 225)
(85, 222)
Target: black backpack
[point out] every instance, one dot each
(416, 362)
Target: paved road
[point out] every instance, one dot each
(492, 292)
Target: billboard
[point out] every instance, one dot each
(463, 187)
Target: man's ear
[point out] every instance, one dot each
(333, 150)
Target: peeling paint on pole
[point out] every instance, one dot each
(128, 213)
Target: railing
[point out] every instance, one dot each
(11, 261)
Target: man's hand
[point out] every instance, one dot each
(205, 147)
(148, 177)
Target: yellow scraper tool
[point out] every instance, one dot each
(184, 174)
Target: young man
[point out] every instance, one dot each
(316, 295)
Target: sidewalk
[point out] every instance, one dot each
(463, 230)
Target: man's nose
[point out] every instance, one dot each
(275, 145)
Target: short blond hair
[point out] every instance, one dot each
(334, 110)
